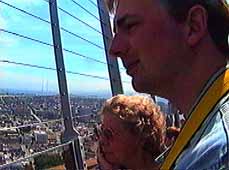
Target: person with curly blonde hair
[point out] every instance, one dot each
(132, 133)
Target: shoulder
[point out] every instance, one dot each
(208, 151)
(209, 147)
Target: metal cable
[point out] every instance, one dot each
(78, 36)
(45, 43)
(35, 155)
(27, 65)
(87, 75)
(76, 18)
(41, 19)
(66, 12)
(26, 37)
(42, 42)
(53, 69)
(88, 12)
(93, 3)
(30, 14)
(89, 58)
(49, 68)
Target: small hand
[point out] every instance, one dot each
(172, 132)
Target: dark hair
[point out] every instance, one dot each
(218, 18)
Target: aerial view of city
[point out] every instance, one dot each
(31, 124)
(32, 121)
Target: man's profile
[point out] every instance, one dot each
(179, 50)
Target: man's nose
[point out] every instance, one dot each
(119, 46)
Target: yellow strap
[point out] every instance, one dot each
(199, 114)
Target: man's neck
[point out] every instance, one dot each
(190, 86)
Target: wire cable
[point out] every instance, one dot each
(53, 69)
(45, 43)
(35, 155)
(88, 12)
(41, 19)
(93, 3)
(27, 65)
(78, 36)
(89, 58)
(26, 37)
(76, 18)
(28, 13)
(42, 42)
(88, 75)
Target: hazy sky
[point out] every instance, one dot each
(20, 50)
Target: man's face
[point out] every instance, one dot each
(149, 42)
(117, 143)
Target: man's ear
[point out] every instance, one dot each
(196, 24)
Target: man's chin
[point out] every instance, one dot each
(141, 86)
(137, 86)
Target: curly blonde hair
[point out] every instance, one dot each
(142, 116)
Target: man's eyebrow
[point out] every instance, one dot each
(118, 22)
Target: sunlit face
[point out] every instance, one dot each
(150, 44)
(117, 143)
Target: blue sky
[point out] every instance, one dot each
(17, 49)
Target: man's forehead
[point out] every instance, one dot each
(130, 7)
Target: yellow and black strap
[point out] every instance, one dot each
(213, 95)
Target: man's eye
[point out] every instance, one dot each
(131, 26)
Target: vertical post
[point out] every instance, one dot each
(177, 121)
(113, 69)
(154, 98)
(175, 113)
(69, 132)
